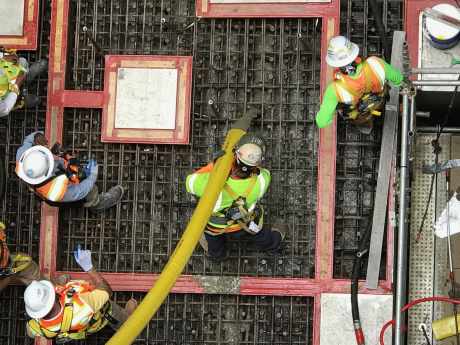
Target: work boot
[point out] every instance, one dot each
(109, 199)
(31, 101)
(36, 69)
(281, 228)
(92, 199)
(366, 128)
(130, 306)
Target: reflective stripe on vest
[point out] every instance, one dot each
(370, 79)
(10, 72)
(55, 189)
(75, 319)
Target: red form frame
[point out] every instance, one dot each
(411, 20)
(323, 281)
(28, 40)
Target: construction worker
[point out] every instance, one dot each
(358, 90)
(236, 213)
(15, 268)
(15, 73)
(57, 178)
(76, 309)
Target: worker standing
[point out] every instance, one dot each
(357, 92)
(237, 214)
(15, 73)
(57, 178)
(15, 268)
(76, 309)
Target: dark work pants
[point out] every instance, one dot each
(265, 240)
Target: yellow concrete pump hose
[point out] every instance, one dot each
(192, 234)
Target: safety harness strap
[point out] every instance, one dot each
(235, 196)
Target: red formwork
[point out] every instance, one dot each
(28, 40)
(412, 24)
(323, 282)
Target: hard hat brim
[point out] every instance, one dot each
(343, 62)
(37, 180)
(48, 303)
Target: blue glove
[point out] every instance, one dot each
(83, 258)
(91, 167)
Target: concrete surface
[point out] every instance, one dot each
(337, 324)
(11, 17)
(146, 98)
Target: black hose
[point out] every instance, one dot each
(377, 14)
(363, 250)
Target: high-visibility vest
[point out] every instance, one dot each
(76, 318)
(10, 71)
(250, 190)
(11, 263)
(55, 187)
(371, 79)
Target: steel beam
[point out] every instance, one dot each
(383, 182)
(435, 70)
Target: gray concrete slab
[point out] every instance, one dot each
(337, 324)
(11, 17)
(146, 98)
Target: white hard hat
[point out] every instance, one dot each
(341, 51)
(39, 298)
(35, 165)
(250, 154)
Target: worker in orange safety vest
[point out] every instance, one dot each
(57, 178)
(357, 92)
(74, 310)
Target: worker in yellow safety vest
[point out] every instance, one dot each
(237, 214)
(76, 309)
(15, 75)
(57, 178)
(357, 92)
(15, 268)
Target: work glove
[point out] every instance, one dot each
(91, 168)
(407, 84)
(83, 258)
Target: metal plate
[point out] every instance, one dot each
(11, 17)
(146, 98)
(336, 321)
(422, 267)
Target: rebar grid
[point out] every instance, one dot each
(357, 167)
(222, 319)
(271, 65)
(13, 317)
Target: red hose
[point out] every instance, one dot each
(410, 305)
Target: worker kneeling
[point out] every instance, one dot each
(236, 213)
(358, 91)
(74, 310)
(57, 178)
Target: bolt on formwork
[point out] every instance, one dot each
(356, 174)
(272, 65)
(222, 319)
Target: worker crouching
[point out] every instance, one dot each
(236, 214)
(358, 91)
(57, 178)
(74, 310)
